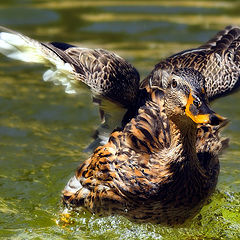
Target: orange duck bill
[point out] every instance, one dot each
(199, 112)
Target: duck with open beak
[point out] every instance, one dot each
(185, 95)
(151, 169)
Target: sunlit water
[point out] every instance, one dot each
(43, 131)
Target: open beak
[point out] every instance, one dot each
(202, 113)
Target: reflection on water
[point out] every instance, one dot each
(43, 131)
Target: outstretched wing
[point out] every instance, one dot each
(113, 82)
(218, 61)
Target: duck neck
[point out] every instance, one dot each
(183, 135)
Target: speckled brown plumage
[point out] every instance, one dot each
(107, 74)
(113, 82)
(162, 163)
(217, 60)
(158, 168)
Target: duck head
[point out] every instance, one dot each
(184, 95)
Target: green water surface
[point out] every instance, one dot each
(43, 130)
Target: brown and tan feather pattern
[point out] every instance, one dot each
(218, 61)
(146, 171)
(113, 82)
(162, 164)
(107, 74)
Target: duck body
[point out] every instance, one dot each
(153, 170)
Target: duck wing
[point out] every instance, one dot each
(218, 60)
(114, 83)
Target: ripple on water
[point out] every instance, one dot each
(14, 16)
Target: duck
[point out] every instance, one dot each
(155, 156)
(154, 169)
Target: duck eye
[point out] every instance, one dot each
(174, 83)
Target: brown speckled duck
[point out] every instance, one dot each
(161, 163)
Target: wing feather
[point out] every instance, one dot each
(111, 79)
(218, 60)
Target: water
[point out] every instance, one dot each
(43, 131)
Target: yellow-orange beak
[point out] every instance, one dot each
(202, 114)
